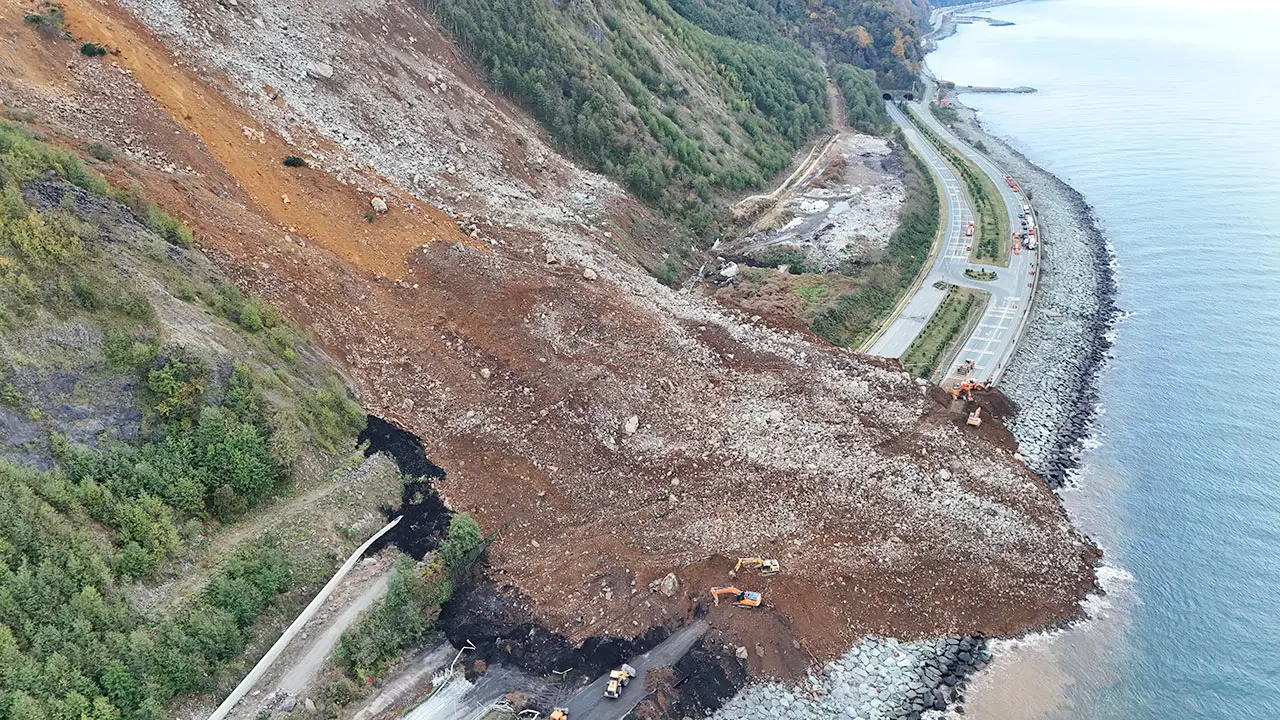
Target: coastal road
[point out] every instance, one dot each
(992, 341)
(591, 703)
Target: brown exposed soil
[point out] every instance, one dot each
(522, 376)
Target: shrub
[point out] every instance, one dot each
(251, 315)
(92, 50)
(294, 161)
(340, 692)
(101, 151)
(125, 351)
(463, 538)
(404, 617)
(331, 417)
(168, 227)
(178, 388)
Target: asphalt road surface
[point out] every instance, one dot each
(590, 702)
(993, 340)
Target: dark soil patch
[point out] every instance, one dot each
(497, 621)
(426, 519)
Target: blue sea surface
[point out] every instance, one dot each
(1166, 116)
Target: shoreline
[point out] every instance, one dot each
(1069, 333)
(1051, 432)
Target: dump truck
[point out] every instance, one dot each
(618, 680)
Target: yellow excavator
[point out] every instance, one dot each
(975, 417)
(741, 598)
(618, 679)
(768, 566)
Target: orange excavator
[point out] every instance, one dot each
(741, 598)
(559, 714)
(966, 388)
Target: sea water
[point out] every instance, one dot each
(1165, 114)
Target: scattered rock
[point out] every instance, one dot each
(320, 71)
(379, 205)
(741, 652)
(631, 425)
(668, 584)
(589, 274)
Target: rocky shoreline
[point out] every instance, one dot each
(1052, 376)
(878, 679)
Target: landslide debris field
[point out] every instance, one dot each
(617, 430)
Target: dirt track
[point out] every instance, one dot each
(523, 376)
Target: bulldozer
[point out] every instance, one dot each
(741, 598)
(966, 388)
(975, 418)
(768, 566)
(618, 679)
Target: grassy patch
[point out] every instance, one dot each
(983, 275)
(942, 330)
(991, 236)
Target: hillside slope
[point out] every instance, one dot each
(173, 454)
(618, 429)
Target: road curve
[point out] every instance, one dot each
(992, 341)
(590, 702)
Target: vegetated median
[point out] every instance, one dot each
(991, 235)
(935, 343)
(982, 275)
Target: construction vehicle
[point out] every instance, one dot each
(559, 714)
(618, 679)
(965, 368)
(966, 388)
(768, 566)
(975, 417)
(741, 598)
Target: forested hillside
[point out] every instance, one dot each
(144, 402)
(679, 114)
(878, 35)
(684, 101)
